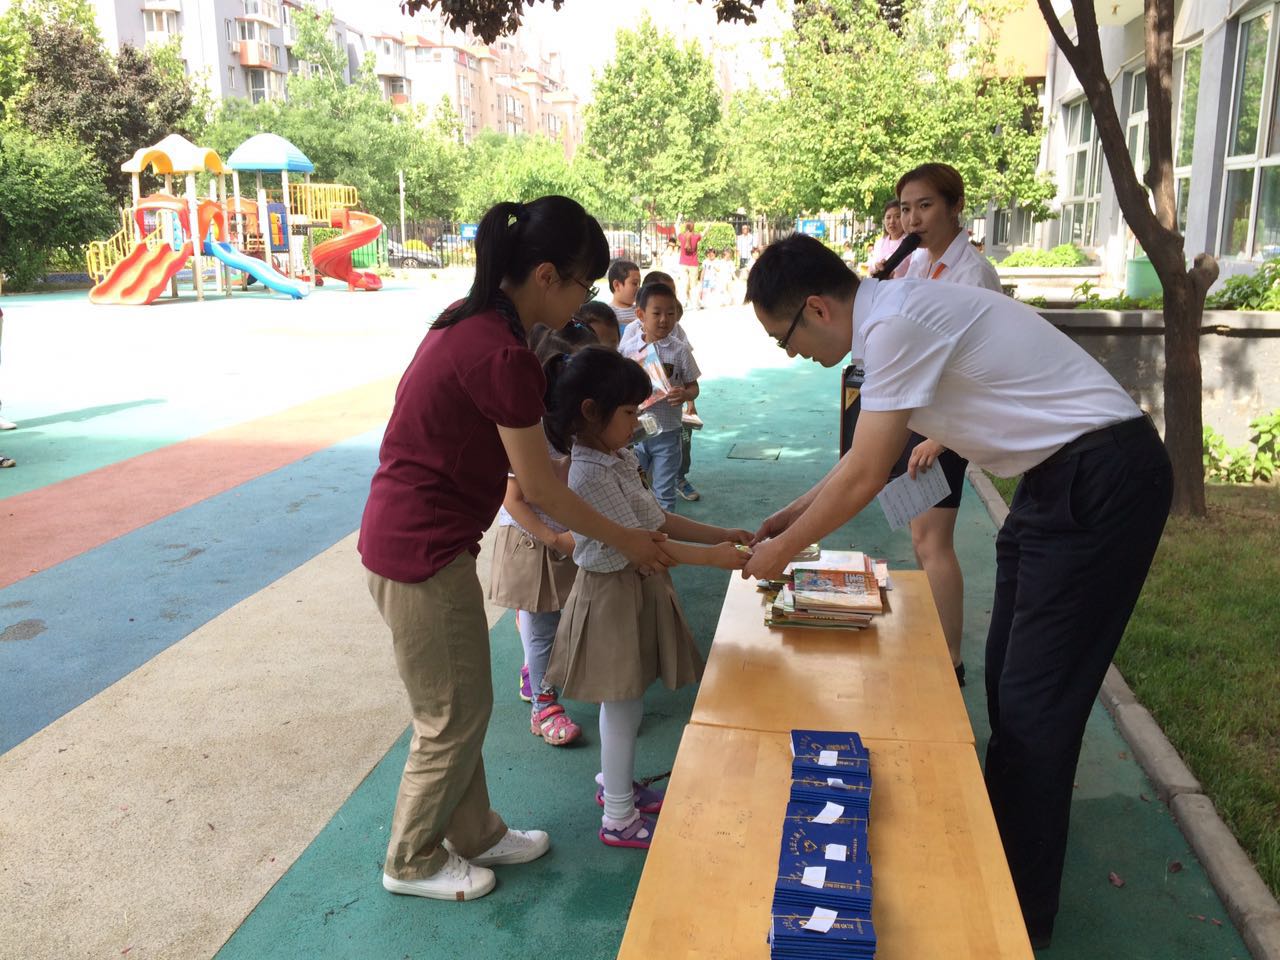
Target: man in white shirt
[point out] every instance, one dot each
(989, 378)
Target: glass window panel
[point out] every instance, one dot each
(1235, 216)
(1098, 164)
(1251, 60)
(1139, 99)
(1076, 166)
(1187, 107)
(1086, 232)
(1086, 123)
(1266, 233)
(1073, 122)
(1182, 191)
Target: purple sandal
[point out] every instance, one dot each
(637, 834)
(647, 801)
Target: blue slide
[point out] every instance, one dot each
(264, 272)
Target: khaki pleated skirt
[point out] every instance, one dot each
(526, 575)
(618, 633)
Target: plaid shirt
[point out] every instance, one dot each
(505, 519)
(611, 484)
(677, 356)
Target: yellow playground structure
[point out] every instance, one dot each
(251, 236)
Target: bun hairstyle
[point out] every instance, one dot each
(593, 311)
(546, 343)
(594, 373)
(513, 238)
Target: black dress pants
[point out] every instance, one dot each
(1070, 562)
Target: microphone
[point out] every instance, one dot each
(905, 249)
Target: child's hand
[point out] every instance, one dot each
(564, 544)
(678, 396)
(729, 556)
(745, 537)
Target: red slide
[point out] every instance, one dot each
(141, 276)
(333, 257)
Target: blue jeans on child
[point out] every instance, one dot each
(659, 456)
(537, 634)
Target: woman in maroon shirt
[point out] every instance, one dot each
(468, 409)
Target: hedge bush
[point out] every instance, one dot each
(719, 237)
(1063, 255)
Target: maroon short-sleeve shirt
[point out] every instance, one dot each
(442, 469)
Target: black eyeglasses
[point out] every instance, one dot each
(786, 338)
(591, 291)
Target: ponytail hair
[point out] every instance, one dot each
(594, 373)
(513, 238)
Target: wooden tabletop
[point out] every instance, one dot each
(892, 681)
(941, 884)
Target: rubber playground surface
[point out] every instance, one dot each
(201, 728)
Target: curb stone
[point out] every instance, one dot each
(1248, 900)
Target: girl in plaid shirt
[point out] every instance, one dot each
(620, 630)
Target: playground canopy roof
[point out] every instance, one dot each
(174, 154)
(269, 152)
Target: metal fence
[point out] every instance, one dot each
(447, 243)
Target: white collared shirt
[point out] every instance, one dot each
(960, 263)
(980, 372)
(610, 483)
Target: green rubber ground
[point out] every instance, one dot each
(574, 902)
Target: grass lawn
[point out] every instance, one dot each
(1202, 653)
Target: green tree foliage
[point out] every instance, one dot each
(655, 122)
(51, 199)
(754, 166)
(866, 101)
(519, 168)
(351, 133)
(111, 105)
(16, 25)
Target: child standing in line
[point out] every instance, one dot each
(685, 489)
(533, 570)
(657, 311)
(601, 320)
(620, 630)
(624, 281)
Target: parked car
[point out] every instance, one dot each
(411, 255)
(629, 245)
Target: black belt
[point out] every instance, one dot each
(1117, 433)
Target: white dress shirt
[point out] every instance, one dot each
(960, 263)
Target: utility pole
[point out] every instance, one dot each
(403, 238)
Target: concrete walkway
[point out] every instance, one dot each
(201, 729)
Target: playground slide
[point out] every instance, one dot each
(264, 272)
(141, 276)
(333, 257)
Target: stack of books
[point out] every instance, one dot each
(822, 900)
(835, 590)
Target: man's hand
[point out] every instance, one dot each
(776, 523)
(744, 537)
(924, 456)
(768, 560)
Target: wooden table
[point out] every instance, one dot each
(942, 887)
(892, 681)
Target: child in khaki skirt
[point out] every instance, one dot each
(533, 572)
(621, 630)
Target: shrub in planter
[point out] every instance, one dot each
(719, 237)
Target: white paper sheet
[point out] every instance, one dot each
(836, 851)
(830, 813)
(828, 758)
(821, 920)
(905, 498)
(814, 877)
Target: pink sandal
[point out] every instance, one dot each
(553, 725)
(638, 834)
(647, 801)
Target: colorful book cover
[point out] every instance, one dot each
(845, 590)
(648, 358)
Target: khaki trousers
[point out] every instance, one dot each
(441, 641)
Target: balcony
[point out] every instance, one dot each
(163, 6)
(262, 11)
(290, 34)
(256, 53)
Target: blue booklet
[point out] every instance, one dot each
(821, 932)
(810, 745)
(819, 789)
(843, 839)
(822, 883)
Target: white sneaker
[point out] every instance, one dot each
(456, 880)
(518, 846)
(7, 424)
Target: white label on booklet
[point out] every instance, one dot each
(834, 782)
(830, 813)
(814, 877)
(828, 758)
(836, 851)
(821, 920)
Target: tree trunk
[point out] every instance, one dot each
(1183, 423)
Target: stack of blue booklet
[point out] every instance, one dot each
(822, 899)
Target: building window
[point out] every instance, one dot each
(159, 22)
(249, 30)
(231, 78)
(1251, 200)
(1188, 86)
(1000, 228)
(257, 85)
(231, 29)
(1083, 182)
(1136, 125)
(275, 55)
